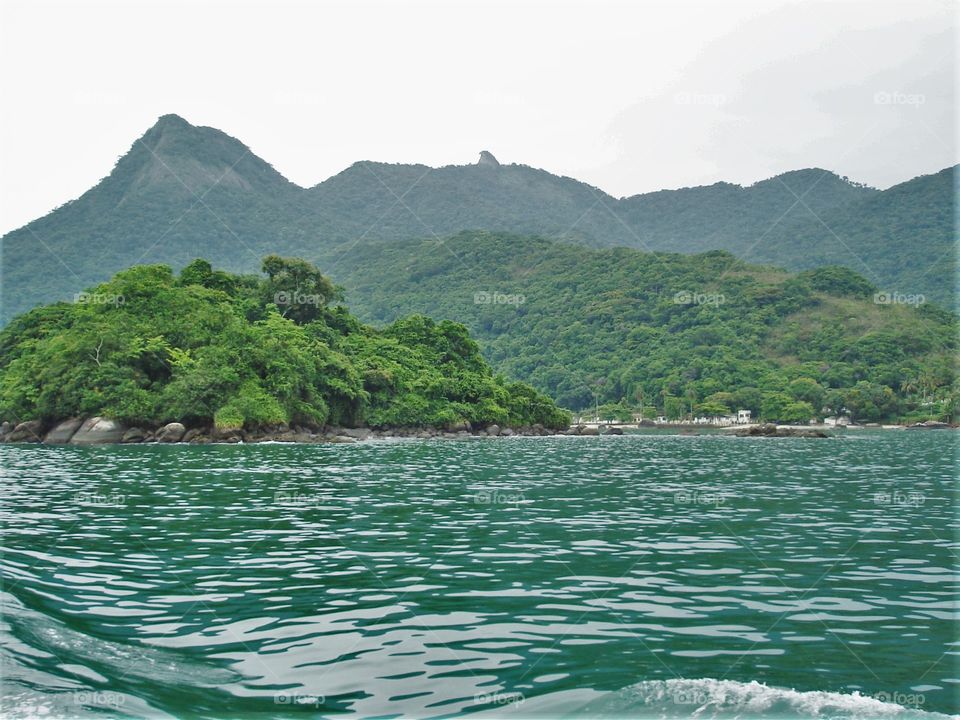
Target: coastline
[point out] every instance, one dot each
(107, 431)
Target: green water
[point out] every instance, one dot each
(631, 576)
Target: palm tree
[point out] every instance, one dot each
(928, 383)
(910, 386)
(691, 394)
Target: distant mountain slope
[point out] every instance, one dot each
(734, 218)
(184, 191)
(573, 320)
(903, 238)
(179, 193)
(403, 201)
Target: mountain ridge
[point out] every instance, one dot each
(174, 122)
(184, 191)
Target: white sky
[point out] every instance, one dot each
(628, 96)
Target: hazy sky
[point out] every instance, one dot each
(630, 97)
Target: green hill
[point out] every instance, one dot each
(207, 347)
(676, 328)
(184, 191)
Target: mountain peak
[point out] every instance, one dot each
(175, 155)
(487, 158)
(813, 176)
(171, 120)
(170, 126)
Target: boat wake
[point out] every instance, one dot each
(727, 699)
(83, 675)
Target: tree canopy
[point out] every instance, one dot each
(248, 351)
(678, 330)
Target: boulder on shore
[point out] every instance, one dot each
(771, 430)
(97, 431)
(223, 434)
(493, 430)
(29, 431)
(929, 425)
(614, 431)
(62, 432)
(171, 433)
(589, 431)
(134, 435)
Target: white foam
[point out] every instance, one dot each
(709, 698)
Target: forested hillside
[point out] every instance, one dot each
(707, 330)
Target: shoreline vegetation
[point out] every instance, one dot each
(236, 356)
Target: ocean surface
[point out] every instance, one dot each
(635, 576)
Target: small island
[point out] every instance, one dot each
(208, 356)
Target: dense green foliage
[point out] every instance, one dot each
(184, 191)
(245, 351)
(705, 333)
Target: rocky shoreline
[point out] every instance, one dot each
(771, 430)
(821, 431)
(106, 431)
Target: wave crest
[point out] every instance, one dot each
(709, 698)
